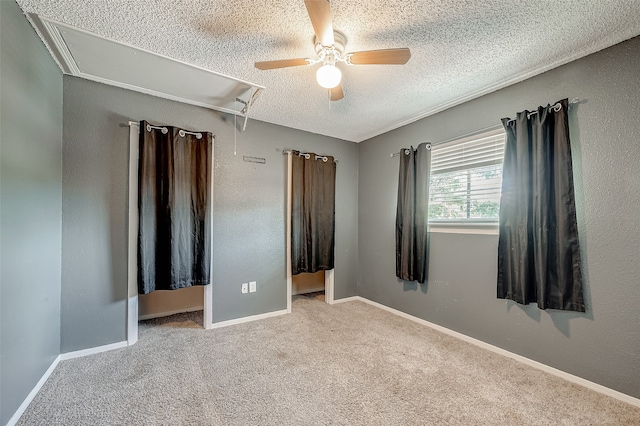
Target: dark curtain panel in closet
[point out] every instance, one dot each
(538, 249)
(412, 216)
(313, 189)
(174, 239)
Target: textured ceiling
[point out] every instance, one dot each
(460, 48)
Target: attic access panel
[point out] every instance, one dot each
(84, 54)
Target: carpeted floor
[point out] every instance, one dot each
(346, 364)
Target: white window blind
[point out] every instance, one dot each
(466, 179)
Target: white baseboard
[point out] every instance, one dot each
(20, 411)
(535, 364)
(348, 299)
(62, 357)
(167, 313)
(248, 319)
(91, 351)
(85, 352)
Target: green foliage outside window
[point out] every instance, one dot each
(466, 194)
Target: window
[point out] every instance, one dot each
(466, 179)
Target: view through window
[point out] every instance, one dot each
(466, 179)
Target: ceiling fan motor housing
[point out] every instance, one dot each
(331, 54)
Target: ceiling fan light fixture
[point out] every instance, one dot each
(329, 46)
(328, 76)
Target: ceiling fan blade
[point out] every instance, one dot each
(283, 63)
(336, 93)
(382, 57)
(320, 14)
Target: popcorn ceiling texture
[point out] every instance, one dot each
(460, 49)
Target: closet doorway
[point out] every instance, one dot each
(307, 283)
(163, 303)
(302, 283)
(156, 305)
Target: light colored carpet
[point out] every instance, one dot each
(346, 364)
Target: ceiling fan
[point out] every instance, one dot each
(329, 46)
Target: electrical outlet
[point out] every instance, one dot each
(245, 288)
(252, 287)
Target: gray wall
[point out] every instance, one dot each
(602, 345)
(30, 208)
(249, 209)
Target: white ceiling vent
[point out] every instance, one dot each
(87, 55)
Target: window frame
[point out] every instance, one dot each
(465, 226)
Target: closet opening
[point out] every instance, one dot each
(309, 284)
(173, 256)
(162, 303)
(313, 236)
(181, 308)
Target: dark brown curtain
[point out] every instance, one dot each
(412, 215)
(174, 239)
(313, 189)
(538, 249)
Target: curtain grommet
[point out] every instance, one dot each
(183, 133)
(164, 130)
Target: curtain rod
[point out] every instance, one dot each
(487, 129)
(307, 155)
(164, 130)
(556, 107)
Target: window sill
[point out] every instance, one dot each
(482, 228)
